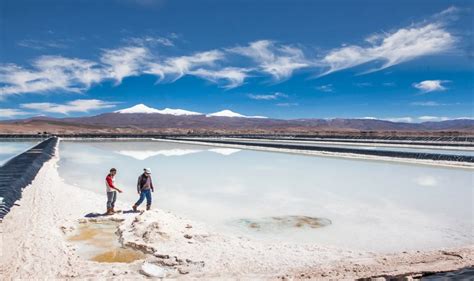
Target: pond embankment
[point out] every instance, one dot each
(20, 171)
(436, 159)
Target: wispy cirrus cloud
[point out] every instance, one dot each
(328, 88)
(431, 85)
(232, 76)
(124, 62)
(427, 103)
(200, 64)
(150, 41)
(395, 47)
(267, 57)
(12, 112)
(274, 96)
(43, 44)
(287, 104)
(50, 73)
(174, 68)
(277, 60)
(80, 105)
(433, 118)
(418, 119)
(406, 119)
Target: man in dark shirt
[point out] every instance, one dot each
(144, 188)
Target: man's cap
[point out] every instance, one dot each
(147, 170)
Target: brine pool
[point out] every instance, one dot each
(349, 203)
(11, 148)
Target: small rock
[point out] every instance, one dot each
(189, 226)
(162, 256)
(152, 270)
(187, 236)
(183, 271)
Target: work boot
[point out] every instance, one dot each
(109, 212)
(148, 207)
(112, 210)
(134, 207)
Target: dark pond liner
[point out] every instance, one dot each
(463, 274)
(385, 153)
(20, 171)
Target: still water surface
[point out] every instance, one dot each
(369, 205)
(11, 148)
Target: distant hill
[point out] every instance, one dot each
(142, 119)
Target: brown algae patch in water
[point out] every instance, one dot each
(98, 241)
(119, 255)
(285, 222)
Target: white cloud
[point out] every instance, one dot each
(49, 73)
(124, 62)
(176, 67)
(150, 40)
(278, 60)
(400, 119)
(427, 103)
(287, 104)
(61, 74)
(409, 119)
(392, 48)
(72, 106)
(41, 45)
(233, 76)
(274, 96)
(328, 88)
(433, 118)
(430, 85)
(363, 84)
(12, 112)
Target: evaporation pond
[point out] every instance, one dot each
(11, 148)
(348, 203)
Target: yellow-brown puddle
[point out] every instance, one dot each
(98, 241)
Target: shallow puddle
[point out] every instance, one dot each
(285, 222)
(98, 241)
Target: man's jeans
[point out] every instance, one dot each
(111, 197)
(144, 194)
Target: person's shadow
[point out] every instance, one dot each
(95, 215)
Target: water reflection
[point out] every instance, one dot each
(9, 149)
(372, 205)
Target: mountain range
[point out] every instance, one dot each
(143, 119)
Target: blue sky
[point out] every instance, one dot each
(397, 60)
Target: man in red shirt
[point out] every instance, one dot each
(111, 190)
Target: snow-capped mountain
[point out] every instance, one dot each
(178, 112)
(229, 113)
(141, 108)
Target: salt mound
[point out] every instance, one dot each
(152, 270)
